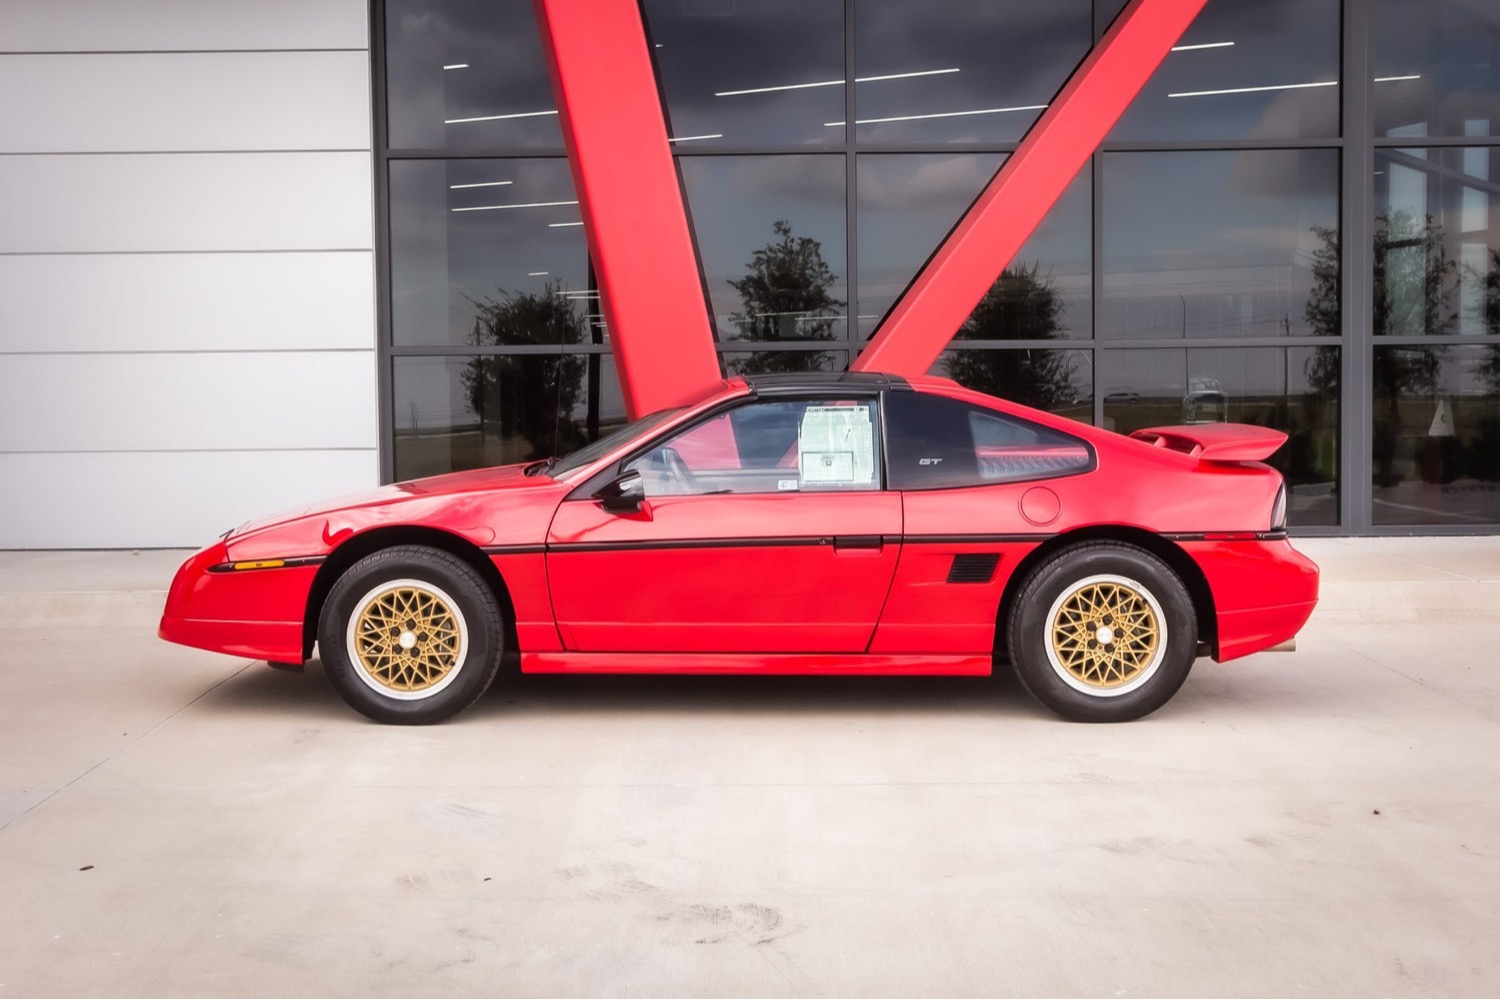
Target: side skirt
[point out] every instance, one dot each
(813, 664)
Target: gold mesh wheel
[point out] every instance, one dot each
(407, 639)
(1106, 635)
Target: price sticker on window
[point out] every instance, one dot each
(836, 446)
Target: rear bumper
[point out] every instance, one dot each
(1264, 592)
(255, 614)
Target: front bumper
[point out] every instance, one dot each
(256, 613)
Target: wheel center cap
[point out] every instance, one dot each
(408, 639)
(1105, 635)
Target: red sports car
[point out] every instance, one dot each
(851, 524)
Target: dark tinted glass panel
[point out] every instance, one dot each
(1435, 67)
(488, 252)
(464, 74)
(454, 413)
(1437, 241)
(750, 72)
(770, 233)
(780, 362)
(1262, 70)
(1436, 444)
(961, 70)
(940, 443)
(1295, 390)
(1059, 381)
(907, 205)
(1221, 244)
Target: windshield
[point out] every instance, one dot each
(607, 443)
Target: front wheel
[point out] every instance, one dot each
(410, 635)
(1103, 632)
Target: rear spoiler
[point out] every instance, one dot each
(1216, 441)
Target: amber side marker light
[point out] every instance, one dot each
(269, 563)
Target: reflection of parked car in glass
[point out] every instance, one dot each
(1123, 397)
(1205, 402)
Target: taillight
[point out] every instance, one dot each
(1278, 510)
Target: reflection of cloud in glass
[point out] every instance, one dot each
(749, 45)
(1010, 55)
(505, 74)
(443, 258)
(1218, 243)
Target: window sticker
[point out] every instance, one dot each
(836, 446)
(786, 485)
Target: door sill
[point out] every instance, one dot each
(741, 663)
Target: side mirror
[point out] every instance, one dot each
(622, 494)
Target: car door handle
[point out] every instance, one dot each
(852, 542)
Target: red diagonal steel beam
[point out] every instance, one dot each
(1026, 187)
(612, 122)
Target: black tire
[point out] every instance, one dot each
(1071, 653)
(441, 653)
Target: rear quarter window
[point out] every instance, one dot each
(941, 443)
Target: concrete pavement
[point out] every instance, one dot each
(175, 823)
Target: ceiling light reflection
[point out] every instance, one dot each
(835, 83)
(497, 117)
(1393, 79)
(942, 114)
(1255, 90)
(1204, 45)
(695, 138)
(457, 65)
(487, 183)
(496, 208)
(562, 225)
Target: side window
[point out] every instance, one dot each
(770, 446)
(941, 443)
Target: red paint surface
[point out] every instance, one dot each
(750, 602)
(1026, 187)
(631, 202)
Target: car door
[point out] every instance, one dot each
(763, 528)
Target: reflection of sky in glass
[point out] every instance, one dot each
(1008, 55)
(1450, 47)
(704, 50)
(1214, 243)
(445, 255)
(1290, 44)
(493, 52)
(908, 202)
(735, 200)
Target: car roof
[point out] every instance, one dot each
(831, 381)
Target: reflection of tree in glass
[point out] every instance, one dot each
(530, 397)
(1491, 316)
(1020, 305)
(1413, 295)
(785, 296)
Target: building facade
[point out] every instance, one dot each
(261, 255)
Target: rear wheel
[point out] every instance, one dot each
(1103, 632)
(411, 635)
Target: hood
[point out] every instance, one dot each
(452, 484)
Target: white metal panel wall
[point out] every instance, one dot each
(187, 326)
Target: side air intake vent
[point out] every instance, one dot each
(973, 568)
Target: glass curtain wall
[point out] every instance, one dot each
(1200, 268)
